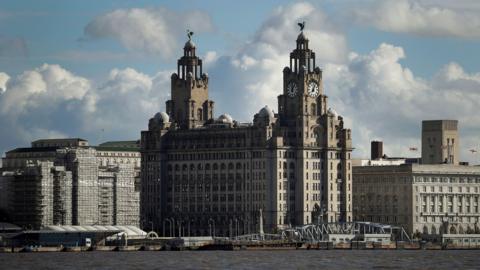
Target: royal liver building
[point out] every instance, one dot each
(203, 175)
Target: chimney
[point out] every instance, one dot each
(376, 150)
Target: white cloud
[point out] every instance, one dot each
(126, 100)
(378, 96)
(252, 76)
(150, 30)
(50, 101)
(383, 100)
(3, 81)
(427, 18)
(48, 84)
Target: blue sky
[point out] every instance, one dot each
(387, 64)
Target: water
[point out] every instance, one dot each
(285, 259)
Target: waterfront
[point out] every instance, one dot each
(292, 259)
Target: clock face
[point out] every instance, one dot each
(313, 89)
(292, 89)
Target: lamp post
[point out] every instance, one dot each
(169, 226)
(172, 228)
(236, 227)
(211, 224)
(179, 224)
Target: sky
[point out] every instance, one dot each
(100, 69)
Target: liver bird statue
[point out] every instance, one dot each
(302, 25)
(189, 34)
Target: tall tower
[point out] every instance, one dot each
(189, 106)
(302, 101)
(321, 184)
(440, 142)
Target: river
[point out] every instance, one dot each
(281, 259)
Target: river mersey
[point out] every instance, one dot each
(292, 259)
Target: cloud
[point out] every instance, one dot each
(126, 100)
(252, 77)
(46, 85)
(50, 101)
(381, 99)
(378, 97)
(150, 30)
(424, 19)
(3, 81)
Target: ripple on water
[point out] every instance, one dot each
(281, 259)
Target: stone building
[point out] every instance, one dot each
(440, 142)
(203, 175)
(68, 182)
(425, 199)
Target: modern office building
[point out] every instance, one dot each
(68, 182)
(425, 199)
(291, 167)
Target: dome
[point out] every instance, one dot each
(162, 117)
(189, 45)
(332, 112)
(225, 118)
(266, 111)
(301, 36)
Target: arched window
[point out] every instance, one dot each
(223, 166)
(230, 166)
(199, 167)
(192, 167)
(314, 108)
(239, 166)
(215, 166)
(177, 168)
(207, 167)
(184, 167)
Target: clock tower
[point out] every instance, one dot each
(303, 100)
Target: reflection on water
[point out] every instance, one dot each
(293, 259)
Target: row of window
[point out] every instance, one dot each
(459, 189)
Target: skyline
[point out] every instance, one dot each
(111, 71)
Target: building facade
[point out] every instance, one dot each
(203, 175)
(68, 182)
(423, 199)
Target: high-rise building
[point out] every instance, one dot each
(440, 142)
(203, 175)
(68, 182)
